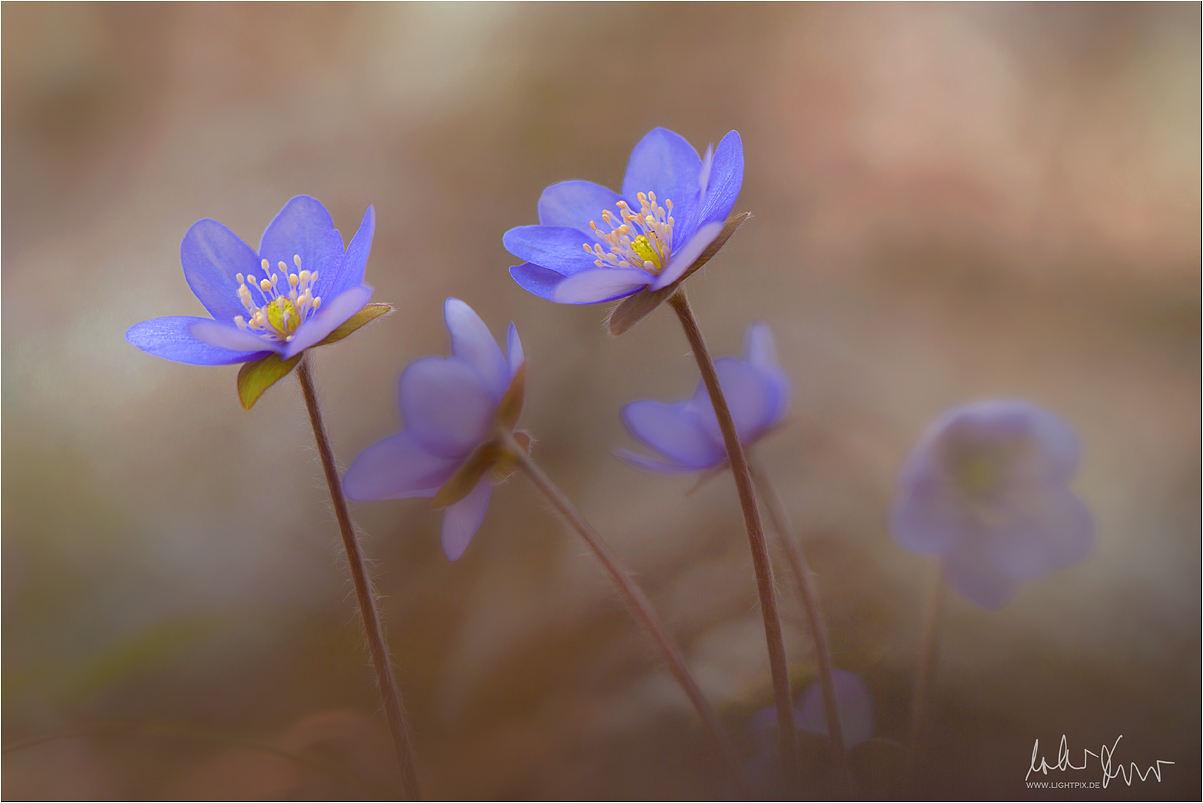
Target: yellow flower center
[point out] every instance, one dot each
(979, 474)
(282, 315)
(642, 239)
(283, 310)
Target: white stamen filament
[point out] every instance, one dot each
(279, 316)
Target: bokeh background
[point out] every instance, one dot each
(951, 203)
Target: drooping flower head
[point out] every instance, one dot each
(987, 490)
(593, 244)
(454, 409)
(686, 433)
(301, 289)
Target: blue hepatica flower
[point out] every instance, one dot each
(686, 433)
(593, 244)
(290, 295)
(986, 489)
(452, 409)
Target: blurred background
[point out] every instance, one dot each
(951, 203)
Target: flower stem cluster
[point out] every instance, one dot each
(985, 490)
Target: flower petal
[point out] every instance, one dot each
(229, 336)
(514, 347)
(540, 281)
(601, 284)
(681, 260)
(553, 247)
(304, 228)
(1058, 441)
(211, 255)
(970, 573)
(761, 351)
(651, 464)
(1038, 530)
(446, 405)
(665, 163)
(1005, 427)
(472, 342)
(926, 517)
(355, 261)
(396, 468)
(329, 317)
(752, 397)
(854, 704)
(172, 339)
(759, 347)
(674, 430)
(463, 519)
(576, 204)
(726, 178)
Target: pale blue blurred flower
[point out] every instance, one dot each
(593, 244)
(298, 288)
(686, 433)
(987, 490)
(857, 717)
(853, 700)
(857, 721)
(450, 406)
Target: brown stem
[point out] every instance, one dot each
(929, 645)
(760, 553)
(638, 602)
(814, 615)
(381, 663)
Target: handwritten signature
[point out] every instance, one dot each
(1104, 756)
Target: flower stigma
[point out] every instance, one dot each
(640, 239)
(283, 310)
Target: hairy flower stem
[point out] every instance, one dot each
(364, 592)
(760, 553)
(814, 615)
(638, 602)
(929, 646)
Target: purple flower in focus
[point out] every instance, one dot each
(452, 408)
(987, 490)
(294, 292)
(686, 433)
(593, 244)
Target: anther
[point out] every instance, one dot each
(296, 260)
